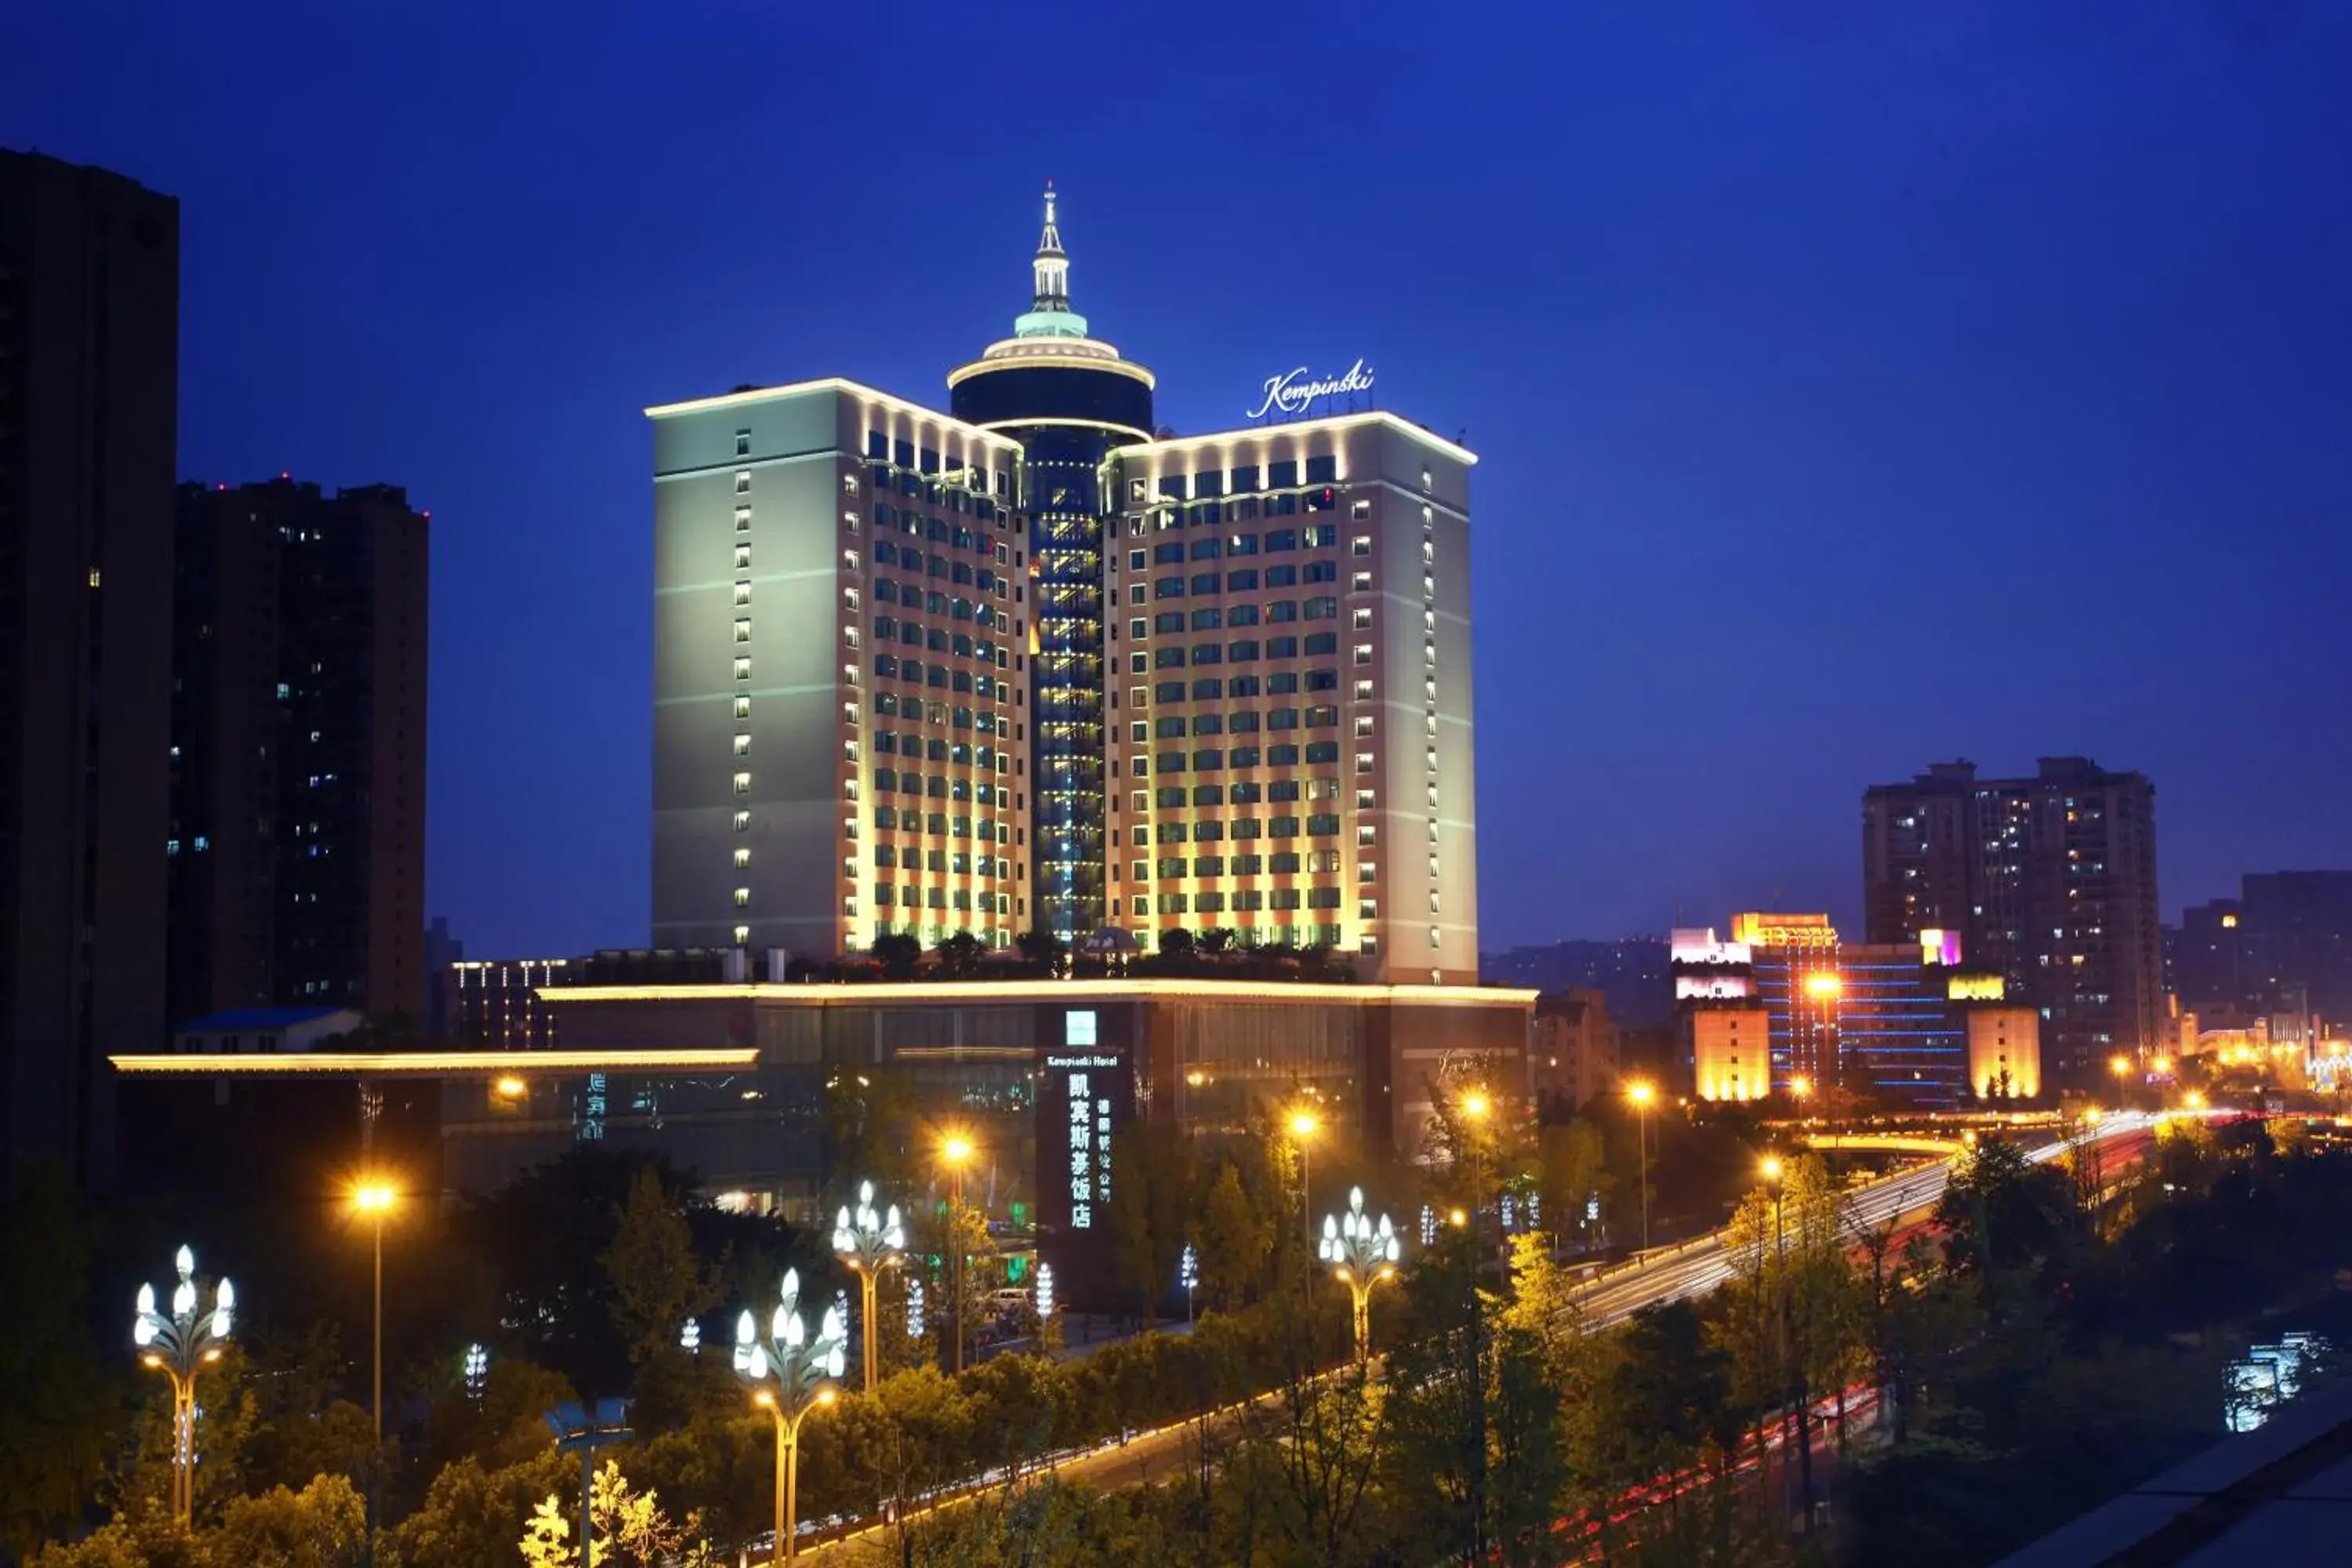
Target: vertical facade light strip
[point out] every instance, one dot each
(1069, 400)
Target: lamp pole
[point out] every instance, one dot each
(789, 1376)
(955, 1152)
(1360, 1255)
(1303, 1124)
(1641, 1094)
(179, 1347)
(869, 1243)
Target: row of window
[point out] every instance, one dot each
(1211, 759)
(1172, 797)
(931, 528)
(881, 448)
(1240, 650)
(912, 593)
(939, 825)
(1322, 607)
(1275, 542)
(958, 862)
(1209, 618)
(1247, 898)
(1211, 688)
(942, 898)
(1284, 475)
(1280, 863)
(914, 672)
(1175, 725)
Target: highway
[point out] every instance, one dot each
(1666, 1274)
(1705, 1263)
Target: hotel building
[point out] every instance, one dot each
(1030, 666)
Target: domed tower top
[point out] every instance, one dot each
(1050, 369)
(1050, 315)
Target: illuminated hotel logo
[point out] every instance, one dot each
(1292, 393)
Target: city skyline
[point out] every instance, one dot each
(1995, 392)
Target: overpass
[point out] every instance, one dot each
(1887, 1143)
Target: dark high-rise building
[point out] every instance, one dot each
(90, 283)
(1070, 400)
(297, 841)
(2050, 880)
(2285, 944)
(1632, 972)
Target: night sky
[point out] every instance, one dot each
(1850, 395)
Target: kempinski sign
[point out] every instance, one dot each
(1293, 392)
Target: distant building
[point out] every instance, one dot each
(495, 1004)
(1574, 1052)
(2285, 943)
(266, 1029)
(1632, 973)
(1729, 1042)
(1795, 960)
(296, 842)
(2049, 879)
(2004, 1053)
(1900, 1038)
(90, 282)
(442, 952)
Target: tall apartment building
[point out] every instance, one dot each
(1027, 665)
(296, 842)
(2050, 880)
(89, 279)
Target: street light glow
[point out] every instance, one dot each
(1770, 1167)
(1640, 1091)
(1822, 985)
(956, 1149)
(1303, 1124)
(1801, 1086)
(1476, 1105)
(374, 1197)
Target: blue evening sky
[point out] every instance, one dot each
(1855, 386)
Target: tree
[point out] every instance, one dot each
(658, 1282)
(57, 1404)
(631, 1527)
(959, 956)
(1177, 943)
(1047, 954)
(1574, 1165)
(324, 1525)
(1147, 1205)
(1234, 1240)
(898, 953)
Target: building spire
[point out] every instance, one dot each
(1049, 314)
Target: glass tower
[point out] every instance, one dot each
(1069, 400)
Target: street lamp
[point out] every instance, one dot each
(789, 1376)
(1800, 1085)
(373, 1200)
(869, 1243)
(1360, 1255)
(477, 1371)
(1642, 1092)
(179, 1347)
(1188, 1275)
(1475, 1108)
(955, 1152)
(1303, 1124)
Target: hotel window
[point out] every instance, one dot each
(742, 593)
(743, 558)
(1363, 616)
(743, 631)
(1433, 903)
(1366, 832)
(742, 784)
(742, 822)
(742, 443)
(1434, 940)
(742, 935)
(742, 858)
(1140, 800)
(1360, 545)
(742, 669)
(1361, 582)
(743, 519)
(1424, 485)
(742, 484)
(1367, 910)
(743, 708)
(1363, 655)
(1360, 510)
(742, 745)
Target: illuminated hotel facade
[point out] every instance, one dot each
(1027, 665)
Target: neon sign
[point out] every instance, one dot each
(1293, 391)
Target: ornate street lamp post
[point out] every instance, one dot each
(179, 1347)
(789, 1376)
(1359, 1255)
(869, 1243)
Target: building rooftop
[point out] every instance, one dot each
(258, 1019)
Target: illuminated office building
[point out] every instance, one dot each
(1795, 960)
(1029, 665)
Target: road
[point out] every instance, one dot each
(1700, 1265)
(1672, 1274)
